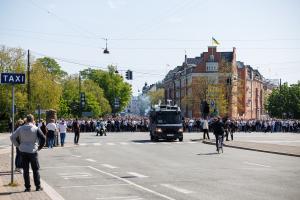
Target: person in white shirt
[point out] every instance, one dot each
(51, 133)
(205, 129)
(62, 127)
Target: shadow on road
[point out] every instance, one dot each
(9, 193)
(142, 141)
(207, 154)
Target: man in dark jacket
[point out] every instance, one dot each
(29, 139)
(218, 128)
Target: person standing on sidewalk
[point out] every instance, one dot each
(62, 127)
(205, 129)
(76, 131)
(29, 139)
(51, 127)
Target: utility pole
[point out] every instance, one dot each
(28, 80)
(80, 106)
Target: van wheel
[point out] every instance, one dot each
(151, 138)
(180, 139)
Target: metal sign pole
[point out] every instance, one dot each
(12, 131)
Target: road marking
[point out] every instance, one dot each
(256, 164)
(50, 191)
(78, 175)
(124, 143)
(85, 186)
(90, 160)
(110, 144)
(57, 167)
(4, 146)
(181, 190)
(76, 156)
(133, 184)
(97, 144)
(191, 142)
(137, 175)
(83, 144)
(109, 166)
(121, 197)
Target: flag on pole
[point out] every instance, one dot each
(215, 42)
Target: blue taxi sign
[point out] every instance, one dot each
(13, 78)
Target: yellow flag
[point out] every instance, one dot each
(215, 42)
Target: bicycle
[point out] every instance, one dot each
(220, 143)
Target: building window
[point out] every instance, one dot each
(212, 67)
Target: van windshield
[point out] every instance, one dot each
(168, 118)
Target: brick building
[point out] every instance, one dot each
(229, 87)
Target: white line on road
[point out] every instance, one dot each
(85, 186)
(90, 160)
(133, 184)
(256, 164)
(191, 142)
(181, 190)
(109, 166)
(120, 197)
(83, 144)
(137, 175)
(76, 156)
(97, 144)
(124, 143)
(50, 191)
(110, 144)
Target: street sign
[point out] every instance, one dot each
(12, 78)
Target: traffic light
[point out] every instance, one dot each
(82, 98)
(128, 75)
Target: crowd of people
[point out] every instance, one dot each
(253, 125)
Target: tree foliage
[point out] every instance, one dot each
(52, 88)
(113, 85)
(45, 91)
(156, 96)
(12, 60)
(52, 67)
(284, 102)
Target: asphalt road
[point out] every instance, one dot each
(129, 166)
(123, 166)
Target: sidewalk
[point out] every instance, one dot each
(17, 192)
(261, 147)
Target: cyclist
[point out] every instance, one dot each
(218, 128)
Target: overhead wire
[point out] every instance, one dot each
(91, 65)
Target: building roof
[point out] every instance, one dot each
(194, 61)
(227, 56)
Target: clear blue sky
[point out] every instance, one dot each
(151, 37)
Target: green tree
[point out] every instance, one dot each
(95, 99)
(45, 91)
(52, 67)
(157, 95)
(12, 60)
(113, 85)
(284, 101)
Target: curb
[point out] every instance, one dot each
(252, 149)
